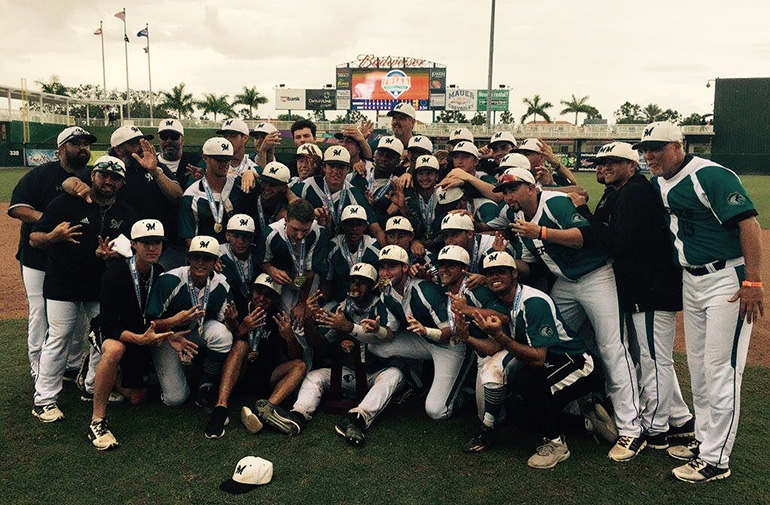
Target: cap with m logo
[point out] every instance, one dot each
(204, 244)
(147, 230)
(241, 223)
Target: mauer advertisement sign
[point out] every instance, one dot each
(289, 99)
(461, 99)
(320, 99)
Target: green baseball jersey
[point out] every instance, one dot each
(555, 210)
(704, 202)
(274, 249)
(195, 217)
(502, 221)
(483, 298)
(341, 259)
(536, 322)
(171, 294)
(483, 209)
(422, 299)
(312, 190)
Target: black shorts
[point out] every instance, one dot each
(136, 366)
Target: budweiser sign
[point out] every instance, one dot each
(372, 61)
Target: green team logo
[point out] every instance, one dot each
(736, 199)
(577, 218)
(546, 331)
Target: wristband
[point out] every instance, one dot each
(751, 284)
(433, 334)
(382, 333)
(543, 233)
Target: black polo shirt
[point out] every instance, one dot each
(119, 309)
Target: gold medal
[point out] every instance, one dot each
(218, 227)
(299, 280)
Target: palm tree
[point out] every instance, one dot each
(578, 106)
(178, 101)
(652, 112)
(216, 105)
(251, 99)
(53, 86)
(536, 108)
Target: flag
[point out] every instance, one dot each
(146, 50)
(121, 16)
(98, 31)
(125, 38)
(143, 33)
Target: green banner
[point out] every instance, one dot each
(499, 99)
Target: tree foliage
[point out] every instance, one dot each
(629, 113)
(579, 106)
(178, 100)
(251, 98)
(506, 117)
(213, 104)
(536, 107)
(451, 116)
(480, 118)
(693, 120)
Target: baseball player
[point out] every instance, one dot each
(238, 257)
(273, 194)
(557, 366)
(458, 230)
(422, 330)
(361, 316)
(266, 138)
(192, 297)
(29, 199)
(309, 162)
(348, 249)
(553, 230)
(717, 242)
(208, 204)
(387, 157)
(421, 201)
(236, 131)
(267, 357)
(538, 152)
(500, 145)
(76, 234)
(629, 223)
(465, 159)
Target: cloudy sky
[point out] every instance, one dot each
(654, 51)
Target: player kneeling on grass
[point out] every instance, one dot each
(361, 316)
(557, 366)
(267, 356)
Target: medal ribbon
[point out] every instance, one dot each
(194, 298)
(515, 311)
(217, 212)
(137, 289)
(427, 210)
(336, 211)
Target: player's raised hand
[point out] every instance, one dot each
(66, 233)
(458, 302)
(416, 326)
(192, 314)
(255, 318)
(462, 328)
(371, 325)
(475, 280)
(500, 242)
(285, 329)
(248, 180)
(147, 157)
(195, 172)
(491, 325)
(150, 337)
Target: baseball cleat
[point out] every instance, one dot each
(101, 436)
(351, 427)
(275, 416)
(550, 454)
(482, 441)
(697, 471)
(250, 420)
(626, 448)
(658, 441)
(217, 422)
(687, 430)
(48, 413)
(684, 452)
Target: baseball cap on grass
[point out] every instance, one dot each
(513, 176)
(354, 212)
(309, 150)
(420, 142)
(403, 108)
(218, 148)
(267, 281)
(532, 145)
(276, 172)
(110, 165)
(250, 472)
(266, 128)
(460, 134)
(465, 147)
(392, 143)
(148, 230)
(515, 160)
(615, 151)
(203, 244)
(171, 125)
(658, 134)
(457, 222)
(234, 124)
(498, 259)
(74, 132)
(337, 155)
(398, 223)
(394, 253)
(364, 270)
(426, 162)
(242, 223)
(454, 253)
(127, 133)
(503, 136)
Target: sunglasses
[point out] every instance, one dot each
(169, 136)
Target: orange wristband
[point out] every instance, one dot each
(750, 284)
(543, 233)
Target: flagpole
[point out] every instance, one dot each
(125, 47)
(149, 68)
(104, 67)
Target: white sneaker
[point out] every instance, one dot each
(626, 448)
(101, 436)
(250, 420)
(549, 454)
(697, 471)
(48, 413)
(684, 452)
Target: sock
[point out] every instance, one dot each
(494, 398)
(212, 366)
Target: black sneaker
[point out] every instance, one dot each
(687, 430)
(217, 422)
(204, 397)
(351, 427)
(685, 452)
(657, 441)
(48, 413)
(70, 375)
(626, 448)
(483, 440)
(297, 418)
(275, 416)
(100, 435)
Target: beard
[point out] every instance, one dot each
(78, 160)
(172, 153)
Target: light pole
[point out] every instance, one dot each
(491, 58)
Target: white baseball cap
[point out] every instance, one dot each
(658, 134)
(454, 253)
(616, 150)
(234, 124)
(394, 253)
(403, 108)
(420, 142)
(392, 143)
(364, 270)
(249, 473)
(512, 160)
(276, 171)
(309, 150)
(445, 196)
(73, 132)
(148, 229)
(266, 128)
(266, 280)
(204, 244)
(109, 165)
(503, 136)
(532, 145)
(513, 176)
(241, 223)
(125, 134)
(399, 223)
(218, 147)
(171, 124)
(460, 134)
(337, 154)
(465, 147)
(354, 212)
(498, 259)
(457, 222)
(426, 162)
